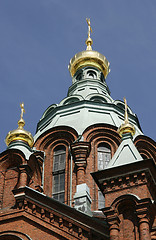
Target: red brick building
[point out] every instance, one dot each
(88, 173)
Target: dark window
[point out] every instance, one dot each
(79, 77)
(102, 77)
(98, 99)
(59, 173)
(104, 156)
(122, 106)
(91, 74)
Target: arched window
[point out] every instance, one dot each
(104, 156)
(91, 74)
(59, 173)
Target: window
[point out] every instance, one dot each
(104, 156)
(59, 173)
(98, 99)
(79, 77)
(91, 74)
(71, 100)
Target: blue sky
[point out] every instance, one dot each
(38, 38)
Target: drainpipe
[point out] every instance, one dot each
(71, 175)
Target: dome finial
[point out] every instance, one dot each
(20, 134)
(21, 122)
(126, 127)
(22, 109)
(126, 113)
(89, 58)
(89, 41)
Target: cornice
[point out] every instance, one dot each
(58, 215)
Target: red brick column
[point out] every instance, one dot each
(81, 167)
(80, 152)
(142, 210)
(114, 231)
(23, 176)
(144, 229)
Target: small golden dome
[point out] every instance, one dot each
(89, 58)
(126, 127)
(20, 133)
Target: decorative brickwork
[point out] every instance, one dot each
(17, 172)
(52, 218)
(129, 192)
(146, 146)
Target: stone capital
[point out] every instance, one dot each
(142, 210)
(80, 152)
(24, 169)
(112, 217)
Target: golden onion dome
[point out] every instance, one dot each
(126, 127)
(20, 134)
(89, 58)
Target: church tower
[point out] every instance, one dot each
(88, 173)
(79, 135)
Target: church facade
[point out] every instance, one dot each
(88, 173)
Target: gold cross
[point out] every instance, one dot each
(126, 113)
(22, 109)
(89, 27)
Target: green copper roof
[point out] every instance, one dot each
(88, 102)
(126, 153)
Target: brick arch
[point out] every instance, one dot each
(125, 198)
(62, 133)
(125, 206)
(103, 133)
(134, 215)
(11, 158)
(146, 146)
